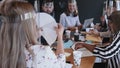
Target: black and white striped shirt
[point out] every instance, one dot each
(111, 53)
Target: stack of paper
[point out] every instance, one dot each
(94, 38)
(47, 23)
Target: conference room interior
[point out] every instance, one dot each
(93, 11)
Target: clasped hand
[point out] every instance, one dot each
(79, 45)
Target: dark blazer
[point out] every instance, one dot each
(59, 8)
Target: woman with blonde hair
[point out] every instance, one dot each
(19, 47)
(70, 19)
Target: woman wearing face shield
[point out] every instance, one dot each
(19, 47)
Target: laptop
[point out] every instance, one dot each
(88, 23)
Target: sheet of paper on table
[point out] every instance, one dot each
(67, 54)
(85, 52)
(68, 65)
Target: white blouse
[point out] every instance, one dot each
(44, 58)
(69, 21)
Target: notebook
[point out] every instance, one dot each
(68, 44)
(47, 23)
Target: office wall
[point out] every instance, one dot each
(90, 8)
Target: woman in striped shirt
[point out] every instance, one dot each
(112, 51)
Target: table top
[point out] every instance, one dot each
(85, 61)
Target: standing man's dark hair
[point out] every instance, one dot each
(60, 7)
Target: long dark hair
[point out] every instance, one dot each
(115, 20)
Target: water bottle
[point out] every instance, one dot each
(76, 35)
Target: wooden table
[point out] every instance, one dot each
(86, 62)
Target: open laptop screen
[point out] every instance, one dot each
(88, 23)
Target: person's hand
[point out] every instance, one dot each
(80, 27)
(79, 45)
(97, 27)
(96, 33)
(93, 32)
(59, 30)
(71, 28)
